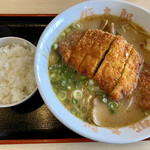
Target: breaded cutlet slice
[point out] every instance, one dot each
(129, 78)
(68, 45)
(143, 88)
(83, 47)
(96, 54)
(110, 70)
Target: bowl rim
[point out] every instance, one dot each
(34, 91)
(38, 84)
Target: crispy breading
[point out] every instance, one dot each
(143, 88)
(96, 54)
(110, 70)
(112, 61)
(128, 80)
(67, 45)
(83, 47)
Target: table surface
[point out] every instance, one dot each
(47, 6)
(42, 7)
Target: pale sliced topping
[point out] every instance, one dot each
(147, 46)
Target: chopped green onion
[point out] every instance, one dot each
(74, 101)
(77, 87)
(50, 68)
(104, 100)
(99, 93)
(56, 66)
(74, 110)
(55, 46)
(59, 65)
(113, 105)
(62, 95)
(83, 81)
(52, 75)
(84, 77)
(112, 111)
(69, 87)
(80, 115)
(116, 104)
(55, 89)
(68, 30)
(91, 82)
(64, 71)
(77, 94)
(63, 83)
(103, 95)
(76, 25)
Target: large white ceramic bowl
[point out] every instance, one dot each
(139, 15)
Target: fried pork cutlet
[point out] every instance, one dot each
(96, 54)
(83, 47)
(110, 70)
(143, 88)
(128, 80)
(108, 59)
(68, 45)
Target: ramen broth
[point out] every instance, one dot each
(82, 96)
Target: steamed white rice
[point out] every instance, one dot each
(17, 78)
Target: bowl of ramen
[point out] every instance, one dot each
(92, 70)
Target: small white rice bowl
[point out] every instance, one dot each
(16, 71)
